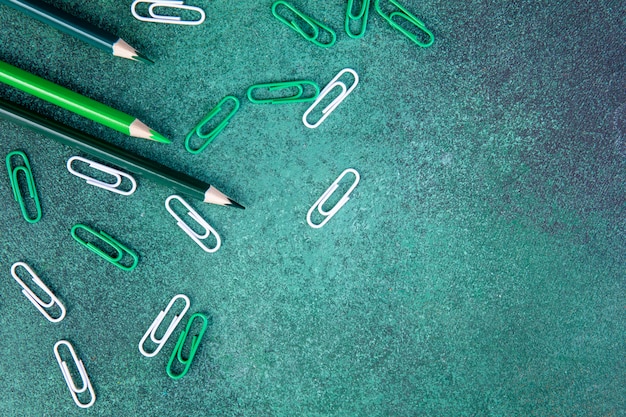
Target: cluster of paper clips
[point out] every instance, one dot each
(177, 358)
(83, 393)
(113, 251)
(18, 166)
(54, 311)
(116, 181)
(201, 232)
(355, 22)
(304, 91)
(311, 29)
(50, 306)
(281, 92)
(102, 244)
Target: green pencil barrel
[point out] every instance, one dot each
(65, 98)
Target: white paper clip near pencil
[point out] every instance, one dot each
(41, 305)
(333, 105)
(176, 5)
(85, 382)
(198, 238)
(328, 214)
(110, 186)
(157, 322)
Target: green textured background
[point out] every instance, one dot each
(478, 270)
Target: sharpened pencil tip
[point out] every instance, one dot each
(157, 137)
(124, 50)
(214, 196)
(142, 58)
(236, 204)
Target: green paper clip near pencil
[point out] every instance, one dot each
(212, 134)
(118, 248)
(404, 14)
(178, 349)
(314, 26)
(296, 97)
(14, 172)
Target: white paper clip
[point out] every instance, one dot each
(198, 238)
(159, 18)
(110, 186)
(157, 322)
(33, 298)
(85, 382)
(331, 85)
(328, 214)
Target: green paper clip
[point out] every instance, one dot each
(404, 14)
(295, 98)
(117, 246)
(30, 181)
(314, 25)
(361, 15)
(214, 132)
(178, 349)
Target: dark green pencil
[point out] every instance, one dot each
(78, 28)
(115, 155)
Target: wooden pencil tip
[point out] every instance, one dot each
(124, 50)
(139, 129)
(215, 196)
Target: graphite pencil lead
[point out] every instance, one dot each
(142, 58)
(236, 204)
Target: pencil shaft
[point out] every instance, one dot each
(65, 23)
(105, 151)
(65, 98)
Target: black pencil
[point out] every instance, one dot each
(78, 28)
(115, 155)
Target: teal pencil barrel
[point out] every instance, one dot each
(65, 23)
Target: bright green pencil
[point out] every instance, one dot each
(77, 103)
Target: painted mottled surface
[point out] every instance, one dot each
(477, 270)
